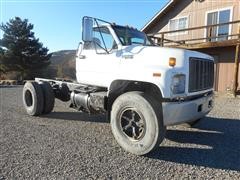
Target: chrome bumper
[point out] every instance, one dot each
(186, 111)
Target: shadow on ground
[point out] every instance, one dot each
(222, 140)
(76, 116)
(215, 141)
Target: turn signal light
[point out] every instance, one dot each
(156, 74)
(172, 61)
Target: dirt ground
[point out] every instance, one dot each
(70, 145)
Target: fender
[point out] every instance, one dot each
(119, 87)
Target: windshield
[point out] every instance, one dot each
(129, 36)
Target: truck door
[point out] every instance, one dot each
(99, 60)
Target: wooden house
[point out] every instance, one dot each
(209, 26)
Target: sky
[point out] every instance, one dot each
(57, 23)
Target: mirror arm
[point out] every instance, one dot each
(105, 47)
(79, 51)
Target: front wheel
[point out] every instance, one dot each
(137, 123)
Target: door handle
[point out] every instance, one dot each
(128, 56)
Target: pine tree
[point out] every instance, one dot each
(21, 51)
(2, 66)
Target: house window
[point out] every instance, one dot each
(218, 33)
(177, 24)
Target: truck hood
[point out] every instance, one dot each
(161, 55)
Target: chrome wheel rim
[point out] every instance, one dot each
(132, 124)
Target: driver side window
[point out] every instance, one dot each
(103, 40)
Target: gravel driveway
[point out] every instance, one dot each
(69, 145)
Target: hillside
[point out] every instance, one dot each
(62, 65)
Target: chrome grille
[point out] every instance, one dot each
(201, 74)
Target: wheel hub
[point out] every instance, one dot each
(132, 124)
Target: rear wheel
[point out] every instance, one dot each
(48, 96)
(136, 122)
(33, 98)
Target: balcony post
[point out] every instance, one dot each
(162, 39)
(236, 66)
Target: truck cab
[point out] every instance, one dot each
(110, 53)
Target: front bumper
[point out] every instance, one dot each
(186, 111)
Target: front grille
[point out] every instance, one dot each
(201, 74)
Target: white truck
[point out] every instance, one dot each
(140, 86)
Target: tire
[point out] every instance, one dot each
(145, 131)
(33, 98)
(48, 96)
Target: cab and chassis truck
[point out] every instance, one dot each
(141, 87)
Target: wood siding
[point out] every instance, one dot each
(224, 67)
(196, 13)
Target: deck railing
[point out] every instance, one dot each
(193, 36)
(207, 36)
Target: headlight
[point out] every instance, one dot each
(178, 84)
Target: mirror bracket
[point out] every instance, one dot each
(79, 51)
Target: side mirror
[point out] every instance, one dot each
(87, 29)
(79, 50)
